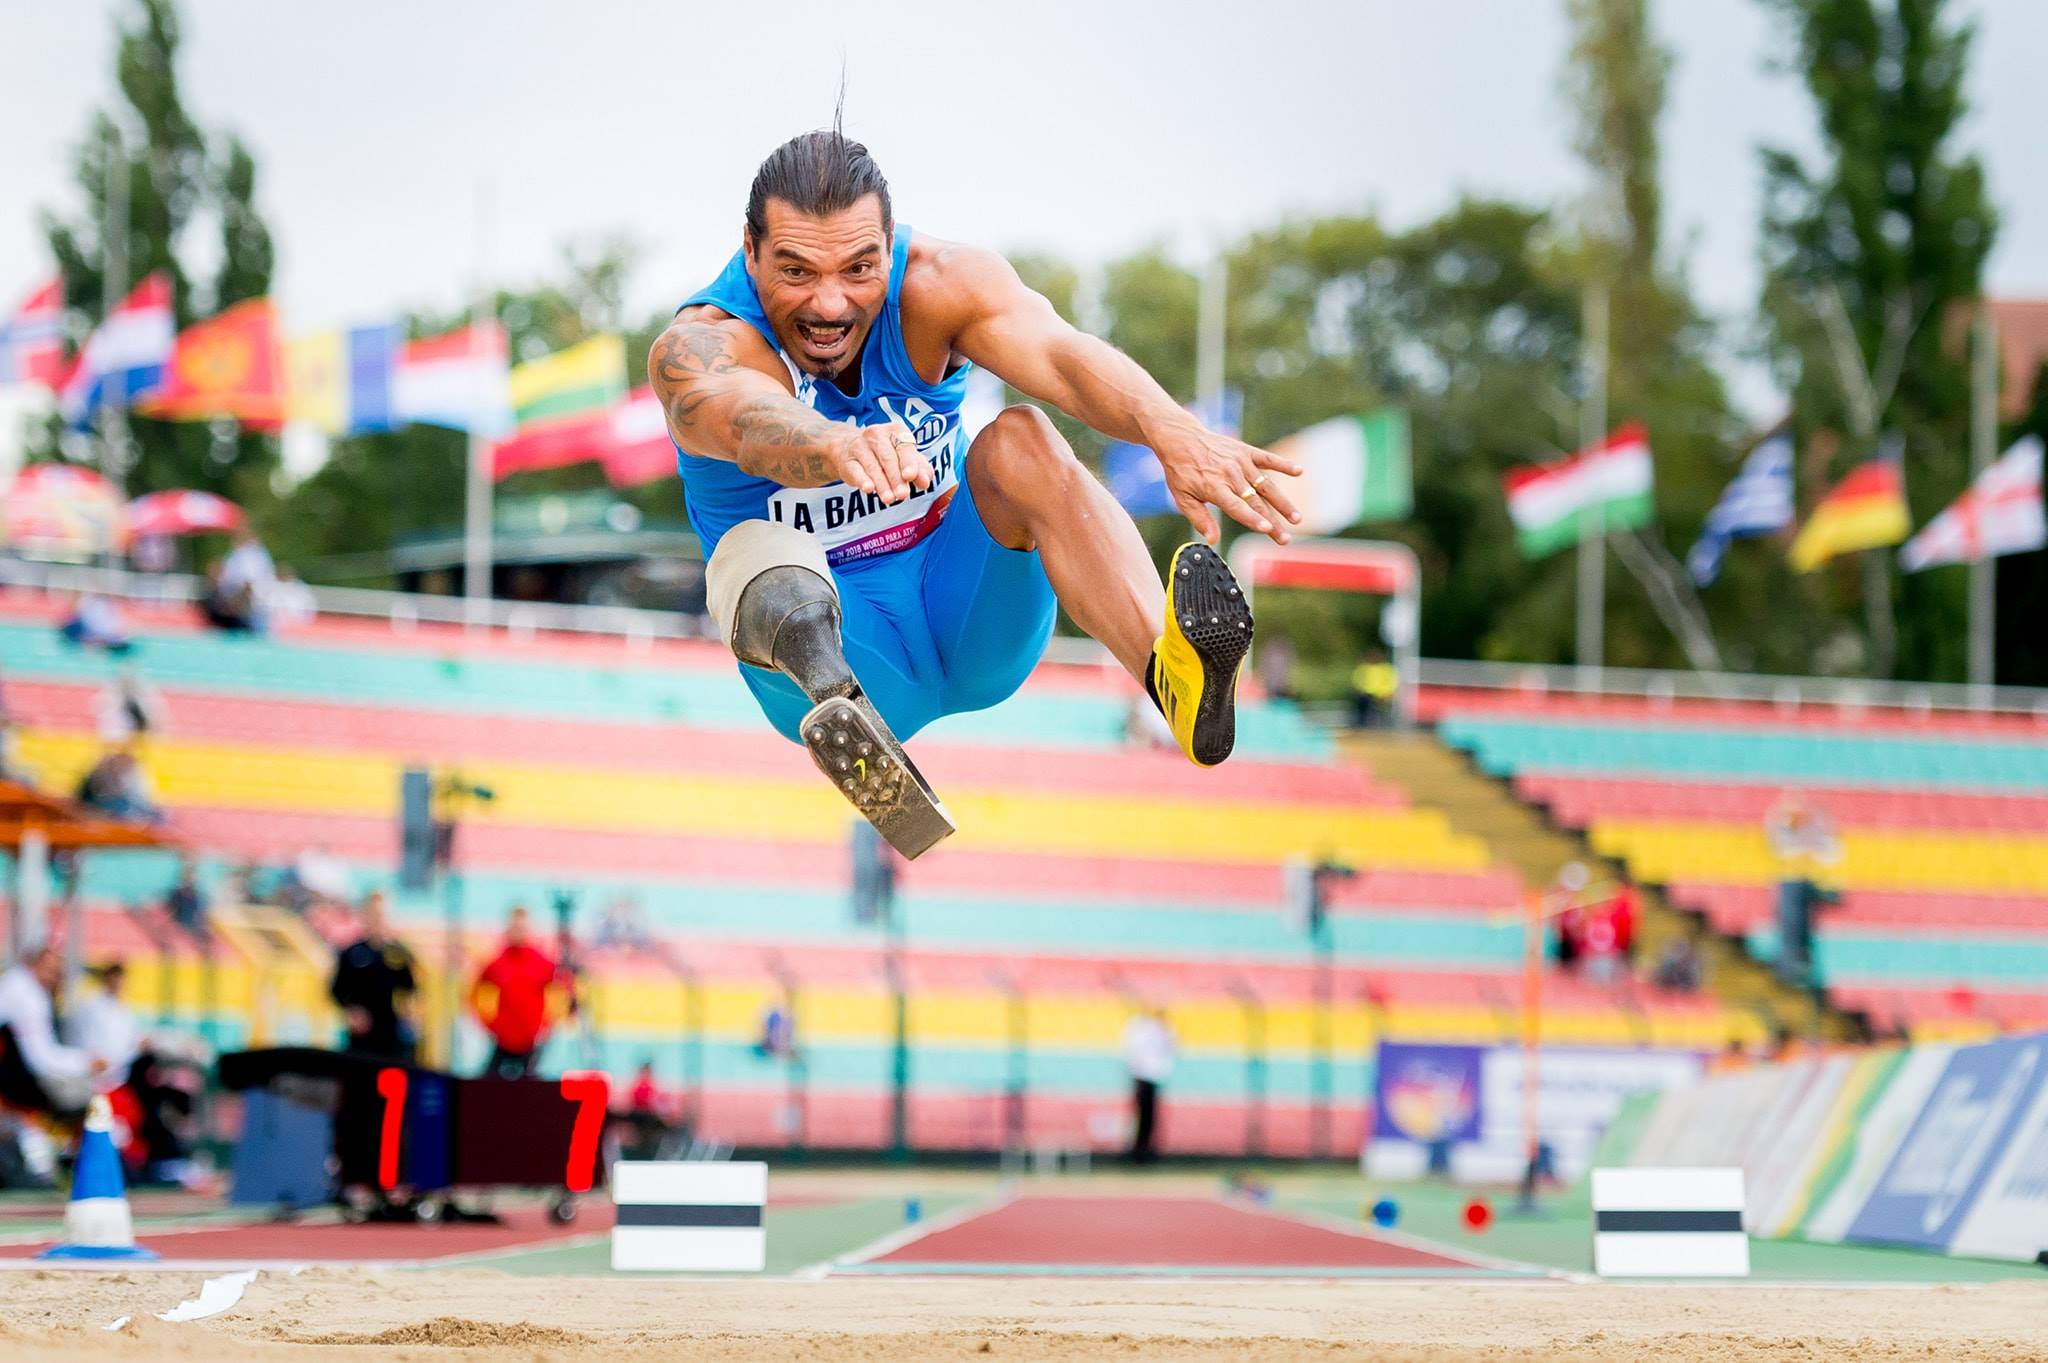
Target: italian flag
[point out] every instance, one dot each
(1354, 468)
(1607, 487)
(588, 376)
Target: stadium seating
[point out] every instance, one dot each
(1088, 877)
(1942, 924)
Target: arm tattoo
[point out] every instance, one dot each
(775, 436)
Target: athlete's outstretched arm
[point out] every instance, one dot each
(1015, 334)
(721, 389)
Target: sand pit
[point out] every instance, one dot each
(482, 1314)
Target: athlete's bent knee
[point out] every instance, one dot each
(1022, 441)
(788, 570)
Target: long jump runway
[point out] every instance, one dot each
(1053, 1236)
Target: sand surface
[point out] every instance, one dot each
(480, 1314)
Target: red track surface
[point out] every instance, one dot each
(1131, 1232)
(524, 1228)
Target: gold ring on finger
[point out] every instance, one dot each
(1250, 490)
(1260, 480)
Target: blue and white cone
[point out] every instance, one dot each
(97, 1224)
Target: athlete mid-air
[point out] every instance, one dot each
(869, 567)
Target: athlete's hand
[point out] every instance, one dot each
(1203, 467)
(882, 459)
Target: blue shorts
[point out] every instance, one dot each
(954, 623)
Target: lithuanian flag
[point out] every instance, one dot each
(588, 375)
(1866, 510)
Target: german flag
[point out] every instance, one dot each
(1866, 510)
(225, 366)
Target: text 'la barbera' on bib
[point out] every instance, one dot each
(853, 525)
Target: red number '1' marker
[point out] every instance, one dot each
(391, 1088)
(591, 1091)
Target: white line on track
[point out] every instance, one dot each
(904, 1235)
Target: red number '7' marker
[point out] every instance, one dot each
(391, 1088)
(591, 1091)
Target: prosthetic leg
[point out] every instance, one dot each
(775, 602)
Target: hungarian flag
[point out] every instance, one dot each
(1606, 487)
(1866, 510)
(629, 439)
(587, 377)
(457, 380)
(32, 340)
(1999, 514)
(225, 366)
(1354, 468)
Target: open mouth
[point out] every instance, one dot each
(825, 340)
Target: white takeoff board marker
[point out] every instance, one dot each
(1669, 1223)
(690, 1216)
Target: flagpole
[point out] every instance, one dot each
(1983, 442)
(476, 501)
(1593, 527)
(113, 288)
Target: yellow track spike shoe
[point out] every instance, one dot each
(1193, 675)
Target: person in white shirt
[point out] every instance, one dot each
(37, 1071)
(104, 1028)
(1148, 1054)
(129, 707)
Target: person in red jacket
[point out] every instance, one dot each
(514, 997)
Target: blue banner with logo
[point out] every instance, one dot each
(1948, 1153)
(1427, 1093)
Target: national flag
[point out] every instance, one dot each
(1133, 474)
(630, 439)
(1354, 468)
(1757, 501)
(32, 340)
(1999, 514)
(587, 377)
(1606, 487)
(1866, 510)
(340, 381)
(456, 380)
(225, 366)
(126, 355)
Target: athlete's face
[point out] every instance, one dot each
(821, 281)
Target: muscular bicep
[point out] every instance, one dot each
(710, 377)
(1005, 326)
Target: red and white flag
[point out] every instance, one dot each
(630, 439)
(457, 380)
(1998, 514)
(32, 340)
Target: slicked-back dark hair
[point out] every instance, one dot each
(817, 173)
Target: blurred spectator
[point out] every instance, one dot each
(1276, 666)
(622, 925)
(315, 879)
(1679, 968)
(515, 998)
(1735, 1057)
(117, 786)
(239, 587)
(128, 708)
(291, 601)
(374, 986)
(39, 1073)
(1374, 684)
(647, 1115)
(778, 1034)
(95, 622)
(1606, 930)
(1803, 840)
(186, 903)
(1148, 1055)
(1568, 912)
(10, 769)
(102, 1025)
(153, 554)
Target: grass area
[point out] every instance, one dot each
(1560, 1236)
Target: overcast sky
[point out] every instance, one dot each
(1083, 128)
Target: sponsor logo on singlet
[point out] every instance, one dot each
(853, 525)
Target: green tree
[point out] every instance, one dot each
(1870, 253)
(166, 176)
